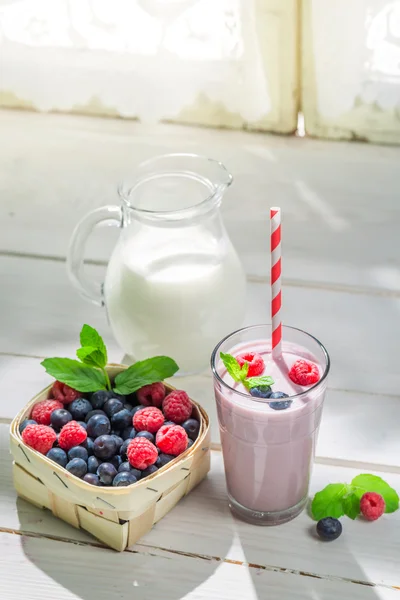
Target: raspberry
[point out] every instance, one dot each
(172, 439)
(141, 453)
(64, 393)
(41, 412)
(304, 372)
(151, 395)
(372, 506)
(72, 434)
(39, 437)
(177, 407)
(256, 363)
(148, 419)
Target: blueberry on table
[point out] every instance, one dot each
(124, 478)
(104, 447)
(261, 391)
(78, 452)
(121, 419)
(192, 428)
(91, 478)
(98, 425)
(59, 418)
(77, 466)
(93, 464)
(112, 406)
(79, 408)
(58, 455)
(146, 434)
(25, 423)
(329, 529)
(98, 399)
(106, 473)
(283, 405)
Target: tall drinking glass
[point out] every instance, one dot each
(268, 446)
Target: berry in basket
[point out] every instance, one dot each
(110, 433)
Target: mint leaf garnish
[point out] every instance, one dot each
(252, 382)
(91, 356)
(145, 372)
(329, 502)
(232, 366)
(89, 337)
(372, 483)
(351, 506)
(75, 374)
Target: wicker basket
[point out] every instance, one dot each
(116, 516)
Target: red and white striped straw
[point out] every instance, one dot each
(276, 296)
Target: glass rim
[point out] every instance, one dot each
(179, 213)
(266, 400)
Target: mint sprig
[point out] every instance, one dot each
(89, 374)
(239, 374)
(338, 499)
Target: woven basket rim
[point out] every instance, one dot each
(110, 490)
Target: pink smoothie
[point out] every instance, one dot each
(268, 453)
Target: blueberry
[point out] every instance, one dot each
(149, 471)
(146, 434)
(25, 423)
(279, 405)
(190, 443)
(93, 464)
(136, 409)
(128, 432)
(83, 424)
(112, 406)
(59, 418)
(192, 428)
(104, 446)
(91, 414)
(58, 456)
(106, 473)
(79, 408)
(91, 478)
(261, 391)
(329, 529)
(118, 440)
(115, 460)
(98, 425)
(124, 478)
(128, 406)
(77, 466)
(98, 399)
(119, 397)
(89, 445)
(169, 423)
(124, 448)
(125, 466)
(121, 419)
(164, 459)
(78, 452)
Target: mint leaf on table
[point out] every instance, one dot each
(252, 382)
(89, 337)
(75, 374)
(329, 502)
(144, 372)
(372, 483)
(351, 505)
(233, 367)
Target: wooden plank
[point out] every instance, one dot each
(328, 193)
(201, 524)
(359, 331)
(51, 569)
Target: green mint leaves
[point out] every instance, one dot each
(239, 374)
(89, 374)
(145, 372)
(338, 499)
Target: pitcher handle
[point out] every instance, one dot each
(76, 251)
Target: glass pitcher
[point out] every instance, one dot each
(174, 284)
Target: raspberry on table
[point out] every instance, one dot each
(72, 434)
(64, 393)
(255, 361)
(41, 412)
(141, 453)
(151, 395)
(304, 372)
(149, 419)
(39, 437)
(172, 439)
(372, 506)
(177, 406)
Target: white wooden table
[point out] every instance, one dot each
(342, 282)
